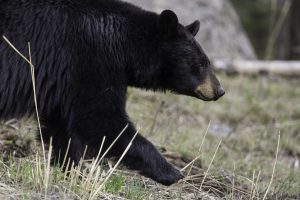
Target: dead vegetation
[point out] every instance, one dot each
(247, 121)
(228, 149)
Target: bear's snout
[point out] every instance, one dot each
(210, 89)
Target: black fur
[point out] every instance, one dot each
(85, 55)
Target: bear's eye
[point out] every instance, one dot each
(204, 63)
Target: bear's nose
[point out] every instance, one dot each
(220, 92)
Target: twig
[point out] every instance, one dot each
(233, 181)
(274, 167)
(35, 101)
(200, 148)
(210, 164)
(33, 84)
(116, 165)
(112, 144)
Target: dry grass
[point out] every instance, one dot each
(246, 165)
(247, 120)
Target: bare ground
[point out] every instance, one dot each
(246, 123)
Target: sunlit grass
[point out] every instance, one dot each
(253, 110)
(247, 164)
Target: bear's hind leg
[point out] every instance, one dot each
(64, 148)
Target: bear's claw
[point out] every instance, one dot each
(170, 177)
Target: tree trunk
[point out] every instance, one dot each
(294, 50)
(279, 68)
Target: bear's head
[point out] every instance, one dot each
(186, 68)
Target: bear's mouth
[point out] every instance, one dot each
(196, 94)
(199, 95)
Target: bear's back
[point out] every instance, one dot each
(59, 32)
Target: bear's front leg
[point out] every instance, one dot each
(143, 157)
(97, 114)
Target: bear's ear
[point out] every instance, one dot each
(194, 27)
(168, 23)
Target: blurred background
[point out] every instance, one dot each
(233, 29)
(273, 27)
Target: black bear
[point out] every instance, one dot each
(86, 53)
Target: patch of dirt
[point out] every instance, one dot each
(17, 138)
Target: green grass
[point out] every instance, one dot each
(254, 110)
(248, 120)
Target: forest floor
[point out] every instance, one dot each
(244, 146)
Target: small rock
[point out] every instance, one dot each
(220, 130)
